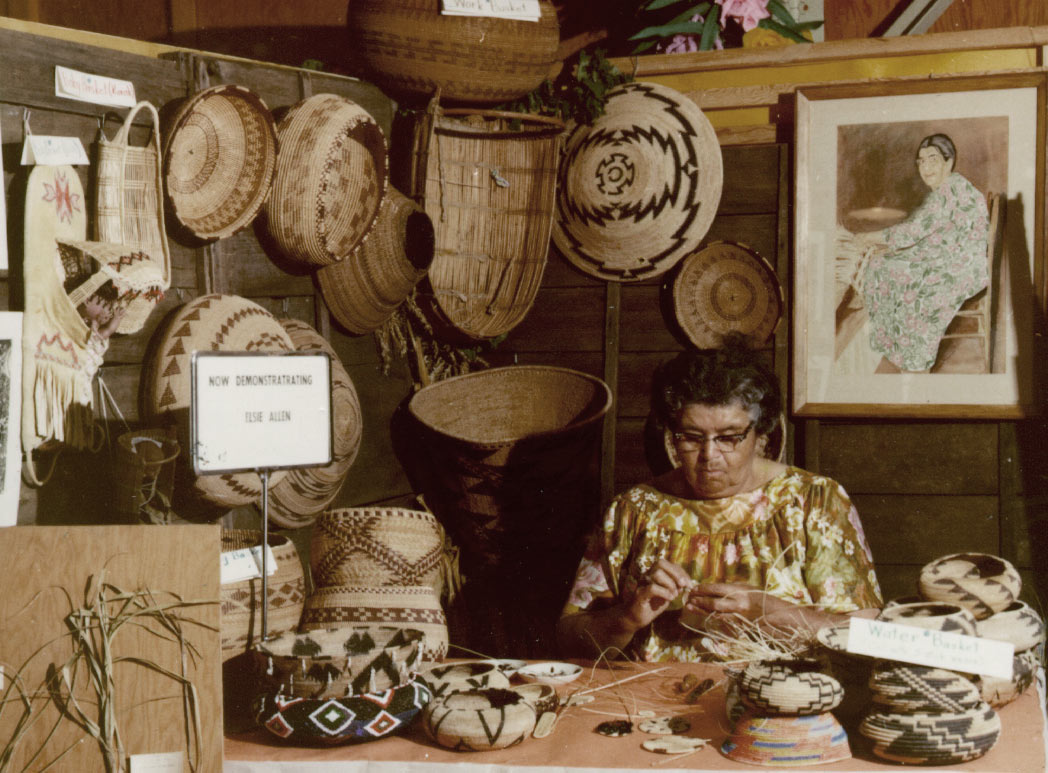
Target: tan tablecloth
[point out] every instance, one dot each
(575, 747)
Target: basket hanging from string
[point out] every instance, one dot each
(487, 180)
(144, 472)
(130, 206)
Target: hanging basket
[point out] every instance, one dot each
(145, 472)
(130, 206)
(409, 48)
(489, 188)
(365, 289)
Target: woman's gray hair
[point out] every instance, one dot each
(730, 374)
(940, 142)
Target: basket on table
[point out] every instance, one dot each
(511, 471)
(241, 601)
(487, 180)
(145, 472)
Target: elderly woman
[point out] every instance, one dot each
(933, 261)
(728, 531)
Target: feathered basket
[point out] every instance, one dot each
(489, 188)
(130, 205)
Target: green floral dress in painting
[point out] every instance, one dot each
(936, 260)
(798, 538)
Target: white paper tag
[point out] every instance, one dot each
(518, 10)
(51, 150)
(97, 89)
(163, 762)
(953, 651)
(246, 564)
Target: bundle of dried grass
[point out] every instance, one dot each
(90, 671)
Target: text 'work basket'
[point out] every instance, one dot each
(489, 188)
(513, 475)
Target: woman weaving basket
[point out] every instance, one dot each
(728, 533)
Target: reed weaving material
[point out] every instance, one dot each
(933, 739)
(130, 206)
(305, 491)
(220, 155)
(329, 181)
(410, 48)
(415, 606)
(241, 602)
(981, 583)
(510, 470)
(639, 187)
(376, 546)
(489, 190)
(221, 323)
(365, 289)
(726, 288)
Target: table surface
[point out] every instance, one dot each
(575, 746)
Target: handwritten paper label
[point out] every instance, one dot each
(518, 10)
(953, 651)
(246, 564)
(259, 411)
(53, 151)
(163, 762)
(97, 89)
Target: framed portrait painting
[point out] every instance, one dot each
(918, 247)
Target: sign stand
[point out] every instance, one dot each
(260, 413)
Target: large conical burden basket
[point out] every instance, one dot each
(490, 192)
(512, 472)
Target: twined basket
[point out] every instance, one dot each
(211, 322)
(241, 601)
(512, 473)
(305, 491)
(130, 205)
(144, 469)
(220, 155)
(487, 179)
(329, 180)
(365, 289)
(409, 48)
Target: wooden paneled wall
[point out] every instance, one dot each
(82, 488)
(868, 18)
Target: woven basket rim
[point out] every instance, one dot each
(596, 415)
(267, 150)
(684, 310)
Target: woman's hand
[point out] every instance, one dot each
(664, 582)
(733, 598)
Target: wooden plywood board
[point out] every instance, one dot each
(47, 569)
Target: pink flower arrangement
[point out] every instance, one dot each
(748, 12)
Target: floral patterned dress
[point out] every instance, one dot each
(936, 260)
(798, 538)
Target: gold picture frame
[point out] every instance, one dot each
(885, 258)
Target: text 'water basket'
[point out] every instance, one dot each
(489, 188)
(513, 475)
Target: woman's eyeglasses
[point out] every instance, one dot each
(692, 441)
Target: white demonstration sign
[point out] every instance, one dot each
(953, 651)
(260, 411)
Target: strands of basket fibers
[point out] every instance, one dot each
(92, 628)
(743, 640)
